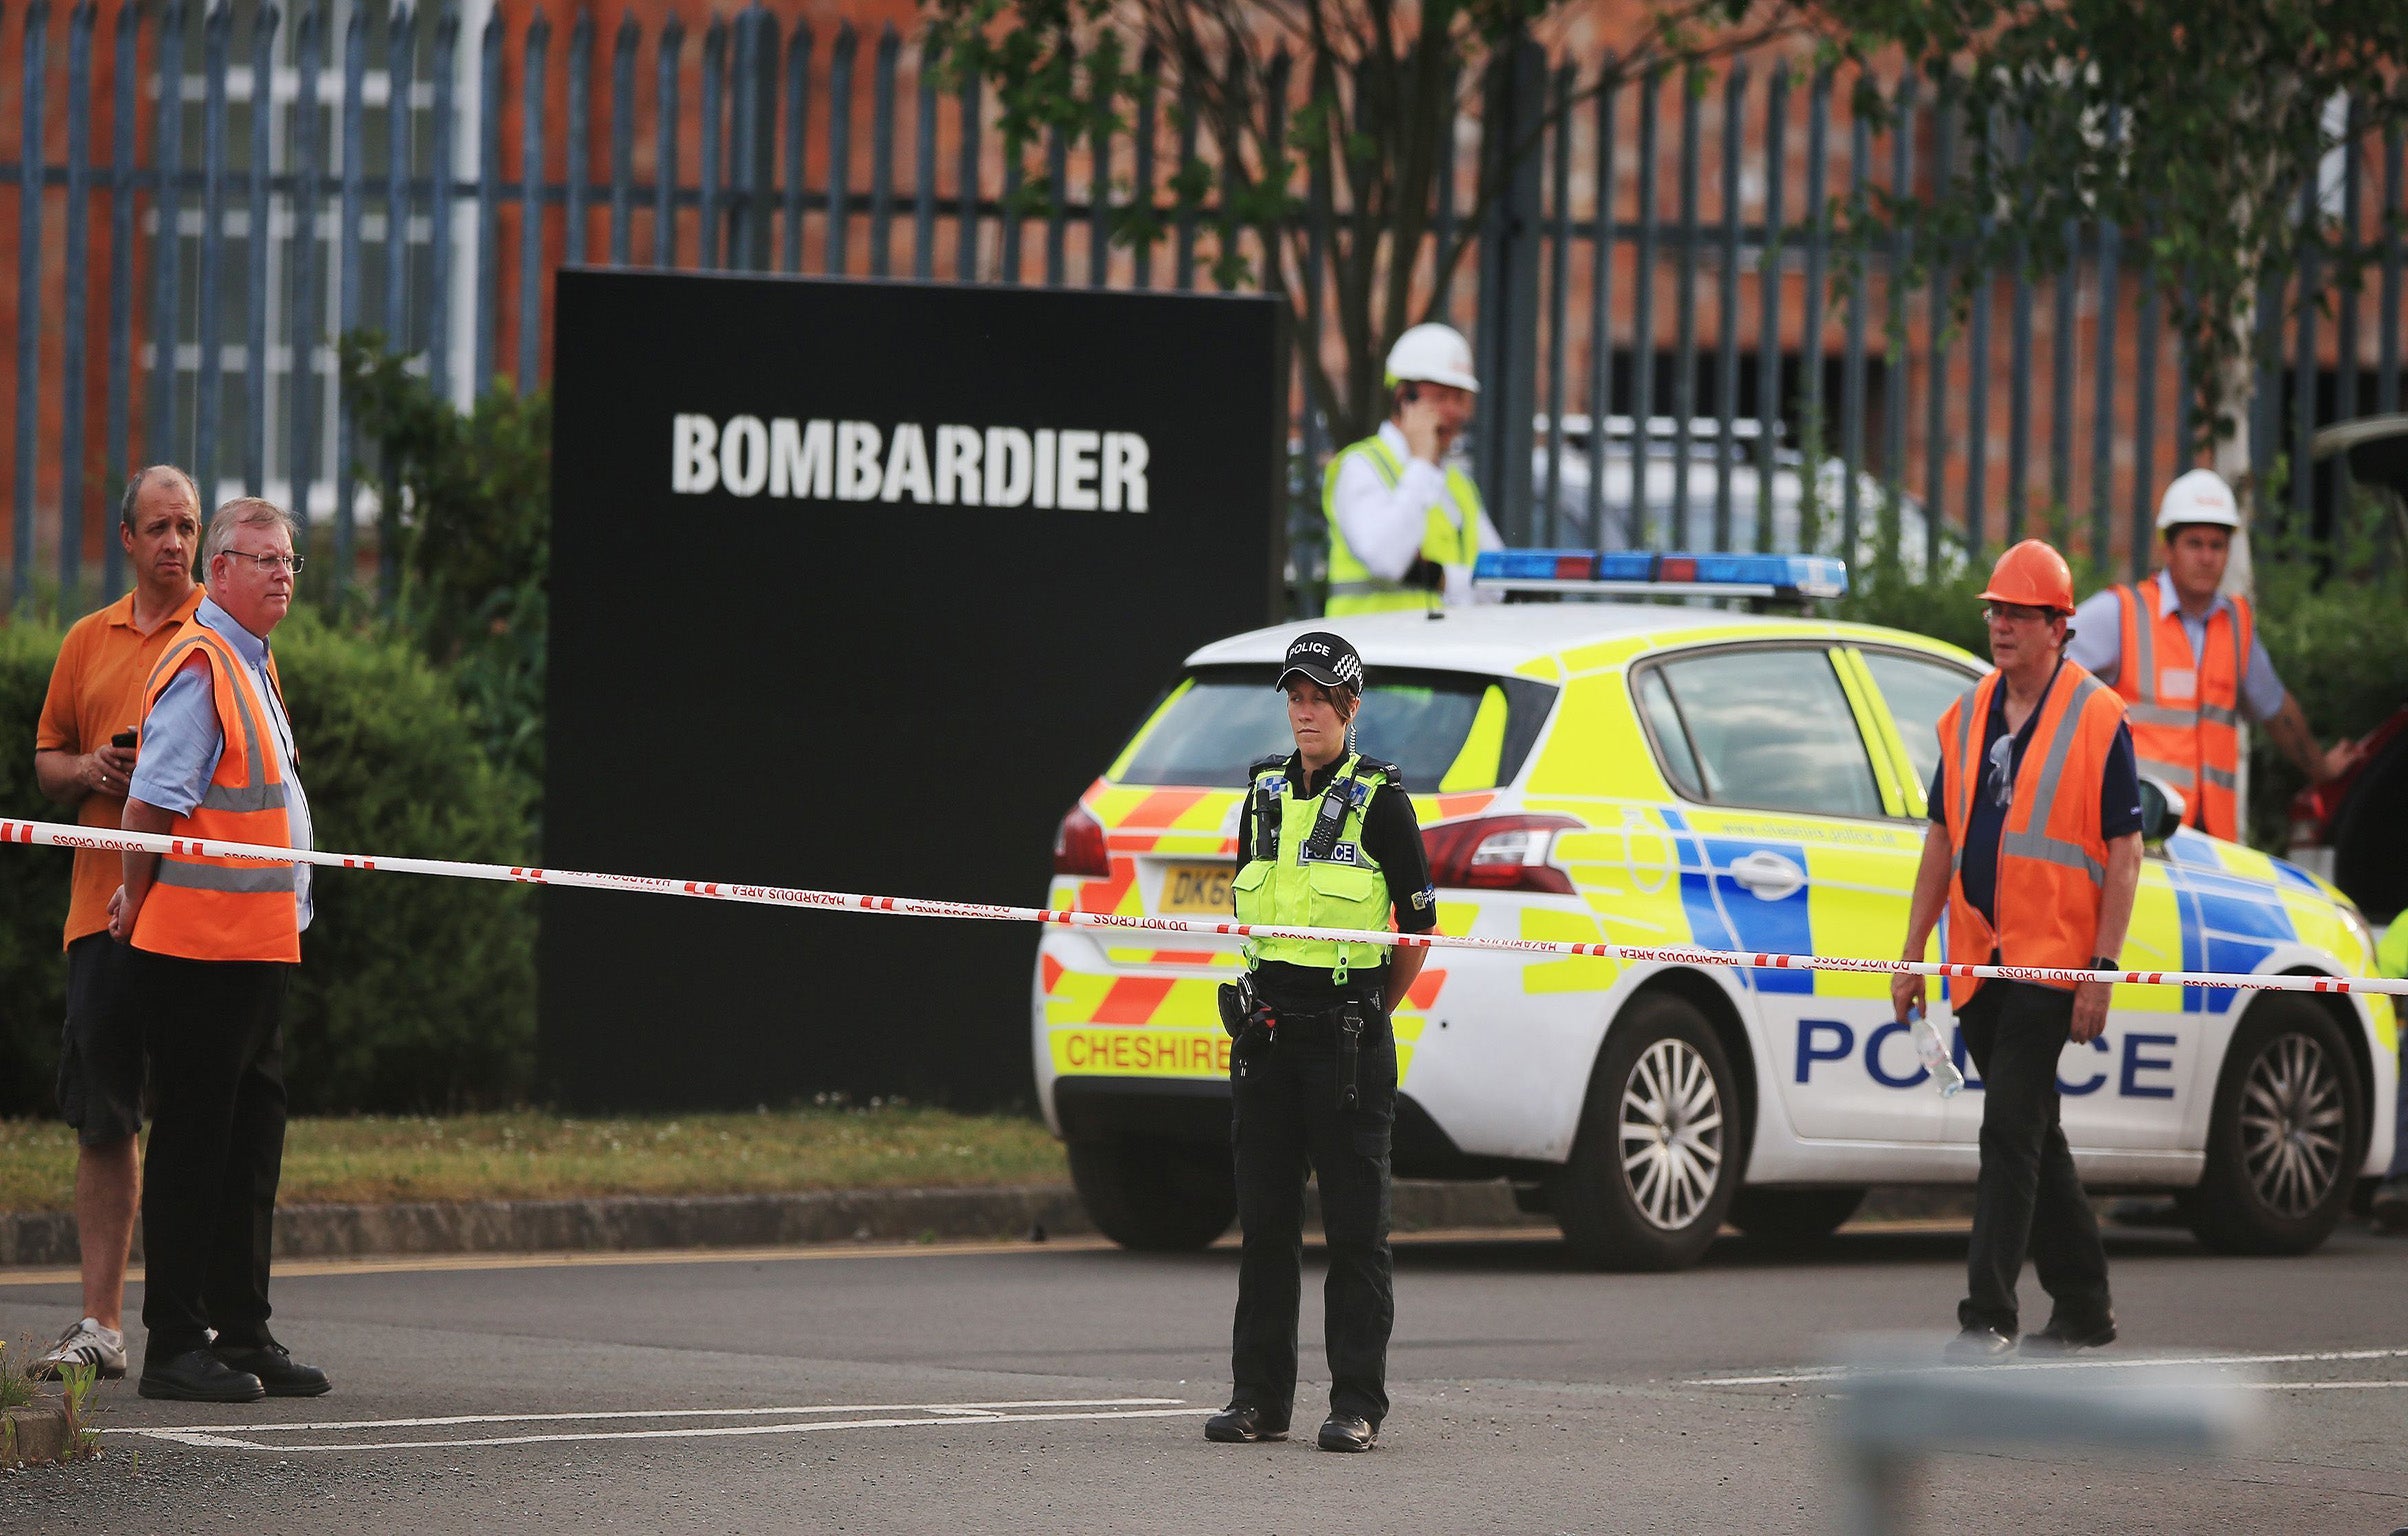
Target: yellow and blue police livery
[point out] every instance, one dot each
(1658, 774)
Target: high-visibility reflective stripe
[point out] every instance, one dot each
(2144, 630)
(245, 879)
(1967, 772)
(246, 797)
(2032, 845)
(2160, 714)
(1366, 588)
(2222, 780)
(2176, 774)
(2217, 714)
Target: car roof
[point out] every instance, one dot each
(1501, 638)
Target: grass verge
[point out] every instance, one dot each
(530, 1155)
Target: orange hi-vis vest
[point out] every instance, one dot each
(2052, 860)
(2185, 709)
(209, 909)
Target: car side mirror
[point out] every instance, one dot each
(2161, 810)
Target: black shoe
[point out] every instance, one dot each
(1978, 1345)
(2063, 1338)
(1243, 1424)
(1339, 1433)
(278, 1372)
(197, 1376)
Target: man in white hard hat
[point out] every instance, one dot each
(2187, 659)
(1404, 525)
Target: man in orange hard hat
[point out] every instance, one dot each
(2034, 849)
(2189, 664)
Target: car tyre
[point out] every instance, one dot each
(1657, 1157)
(1793, 1218)
(1153, 1195)
(2286, 1137)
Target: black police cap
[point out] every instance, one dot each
(1324, 657)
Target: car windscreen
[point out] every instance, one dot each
(1446, 730)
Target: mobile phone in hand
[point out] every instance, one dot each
(123, 740)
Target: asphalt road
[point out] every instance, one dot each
(1062, 1387)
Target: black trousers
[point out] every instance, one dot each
(2029, 1198)
(1285, 1120)
(216, 1145)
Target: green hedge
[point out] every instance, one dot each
(414, 993)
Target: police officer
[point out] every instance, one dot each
(2034, 850)
(2189, 664)
(1328, 840)
(1404, 525)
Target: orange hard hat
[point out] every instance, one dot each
(2034, 575)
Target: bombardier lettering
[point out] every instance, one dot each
(1056, 469)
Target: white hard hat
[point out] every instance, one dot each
(2200, 496)
(1432, 354)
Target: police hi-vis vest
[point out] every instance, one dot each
(2052, 859)
(210, 909)
(2185, 709)
(1295, 879)
(1444, 540)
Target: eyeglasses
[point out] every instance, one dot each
(2009, 613)
(291, 563)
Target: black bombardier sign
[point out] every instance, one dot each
(857, 586)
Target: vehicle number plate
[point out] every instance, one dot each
(1197, 888)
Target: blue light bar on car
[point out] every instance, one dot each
(1792, 578)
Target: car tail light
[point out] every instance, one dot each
(1079, 847)
(1498, 853)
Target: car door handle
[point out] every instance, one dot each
(1768, 875)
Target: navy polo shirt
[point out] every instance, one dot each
(2119, 801)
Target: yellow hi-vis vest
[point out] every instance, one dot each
(1278, 885)
(1444, 540)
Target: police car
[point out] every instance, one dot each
(1653, 774)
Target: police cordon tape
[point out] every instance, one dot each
(58, 835)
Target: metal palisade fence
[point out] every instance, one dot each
(1678, 335)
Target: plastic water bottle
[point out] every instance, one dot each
(1935, 1054)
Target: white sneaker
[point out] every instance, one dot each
(87, 1343)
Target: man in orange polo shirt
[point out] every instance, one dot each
(96, 696)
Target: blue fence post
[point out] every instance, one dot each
(308, 325)
(622, 140)
(664, 165)
(256, 246)
(2063, 353)
(1935, 374)
(2019, 415)
(2102, 396)
(534, 60)
(29, 288)
(122, 129)
(1142, 177)
(923, 210)
(714, 77)
(1810, 335)
(1726, 365)
(882, 150)
(1684, 325)
(1897, 380)
(1559, 301)
(442, 184)
(840, 146)
(2304, 362)
(216, 27)
(1768, 289)
(401, 58)
(1601, 307)
(167, 166)
(2345, 318)
(576, 152)
(1852, 377)
(355, 174)
(1642, 319)
(489, 215)
(2387, 376)
(1057, 194)
(2144, 414)
(966, 180)
(757, 136)
(798, 142)
(80, 23)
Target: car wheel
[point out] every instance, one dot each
(1656, 1160)
(1793, 1217)
(1155, 1196)
(2287, 1134)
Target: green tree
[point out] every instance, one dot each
(1327, 123)
(2195, 126)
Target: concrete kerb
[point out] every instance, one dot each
(635, 1222)
(34, 1436)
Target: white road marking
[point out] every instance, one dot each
(2087, 1362)
(235, 1436)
